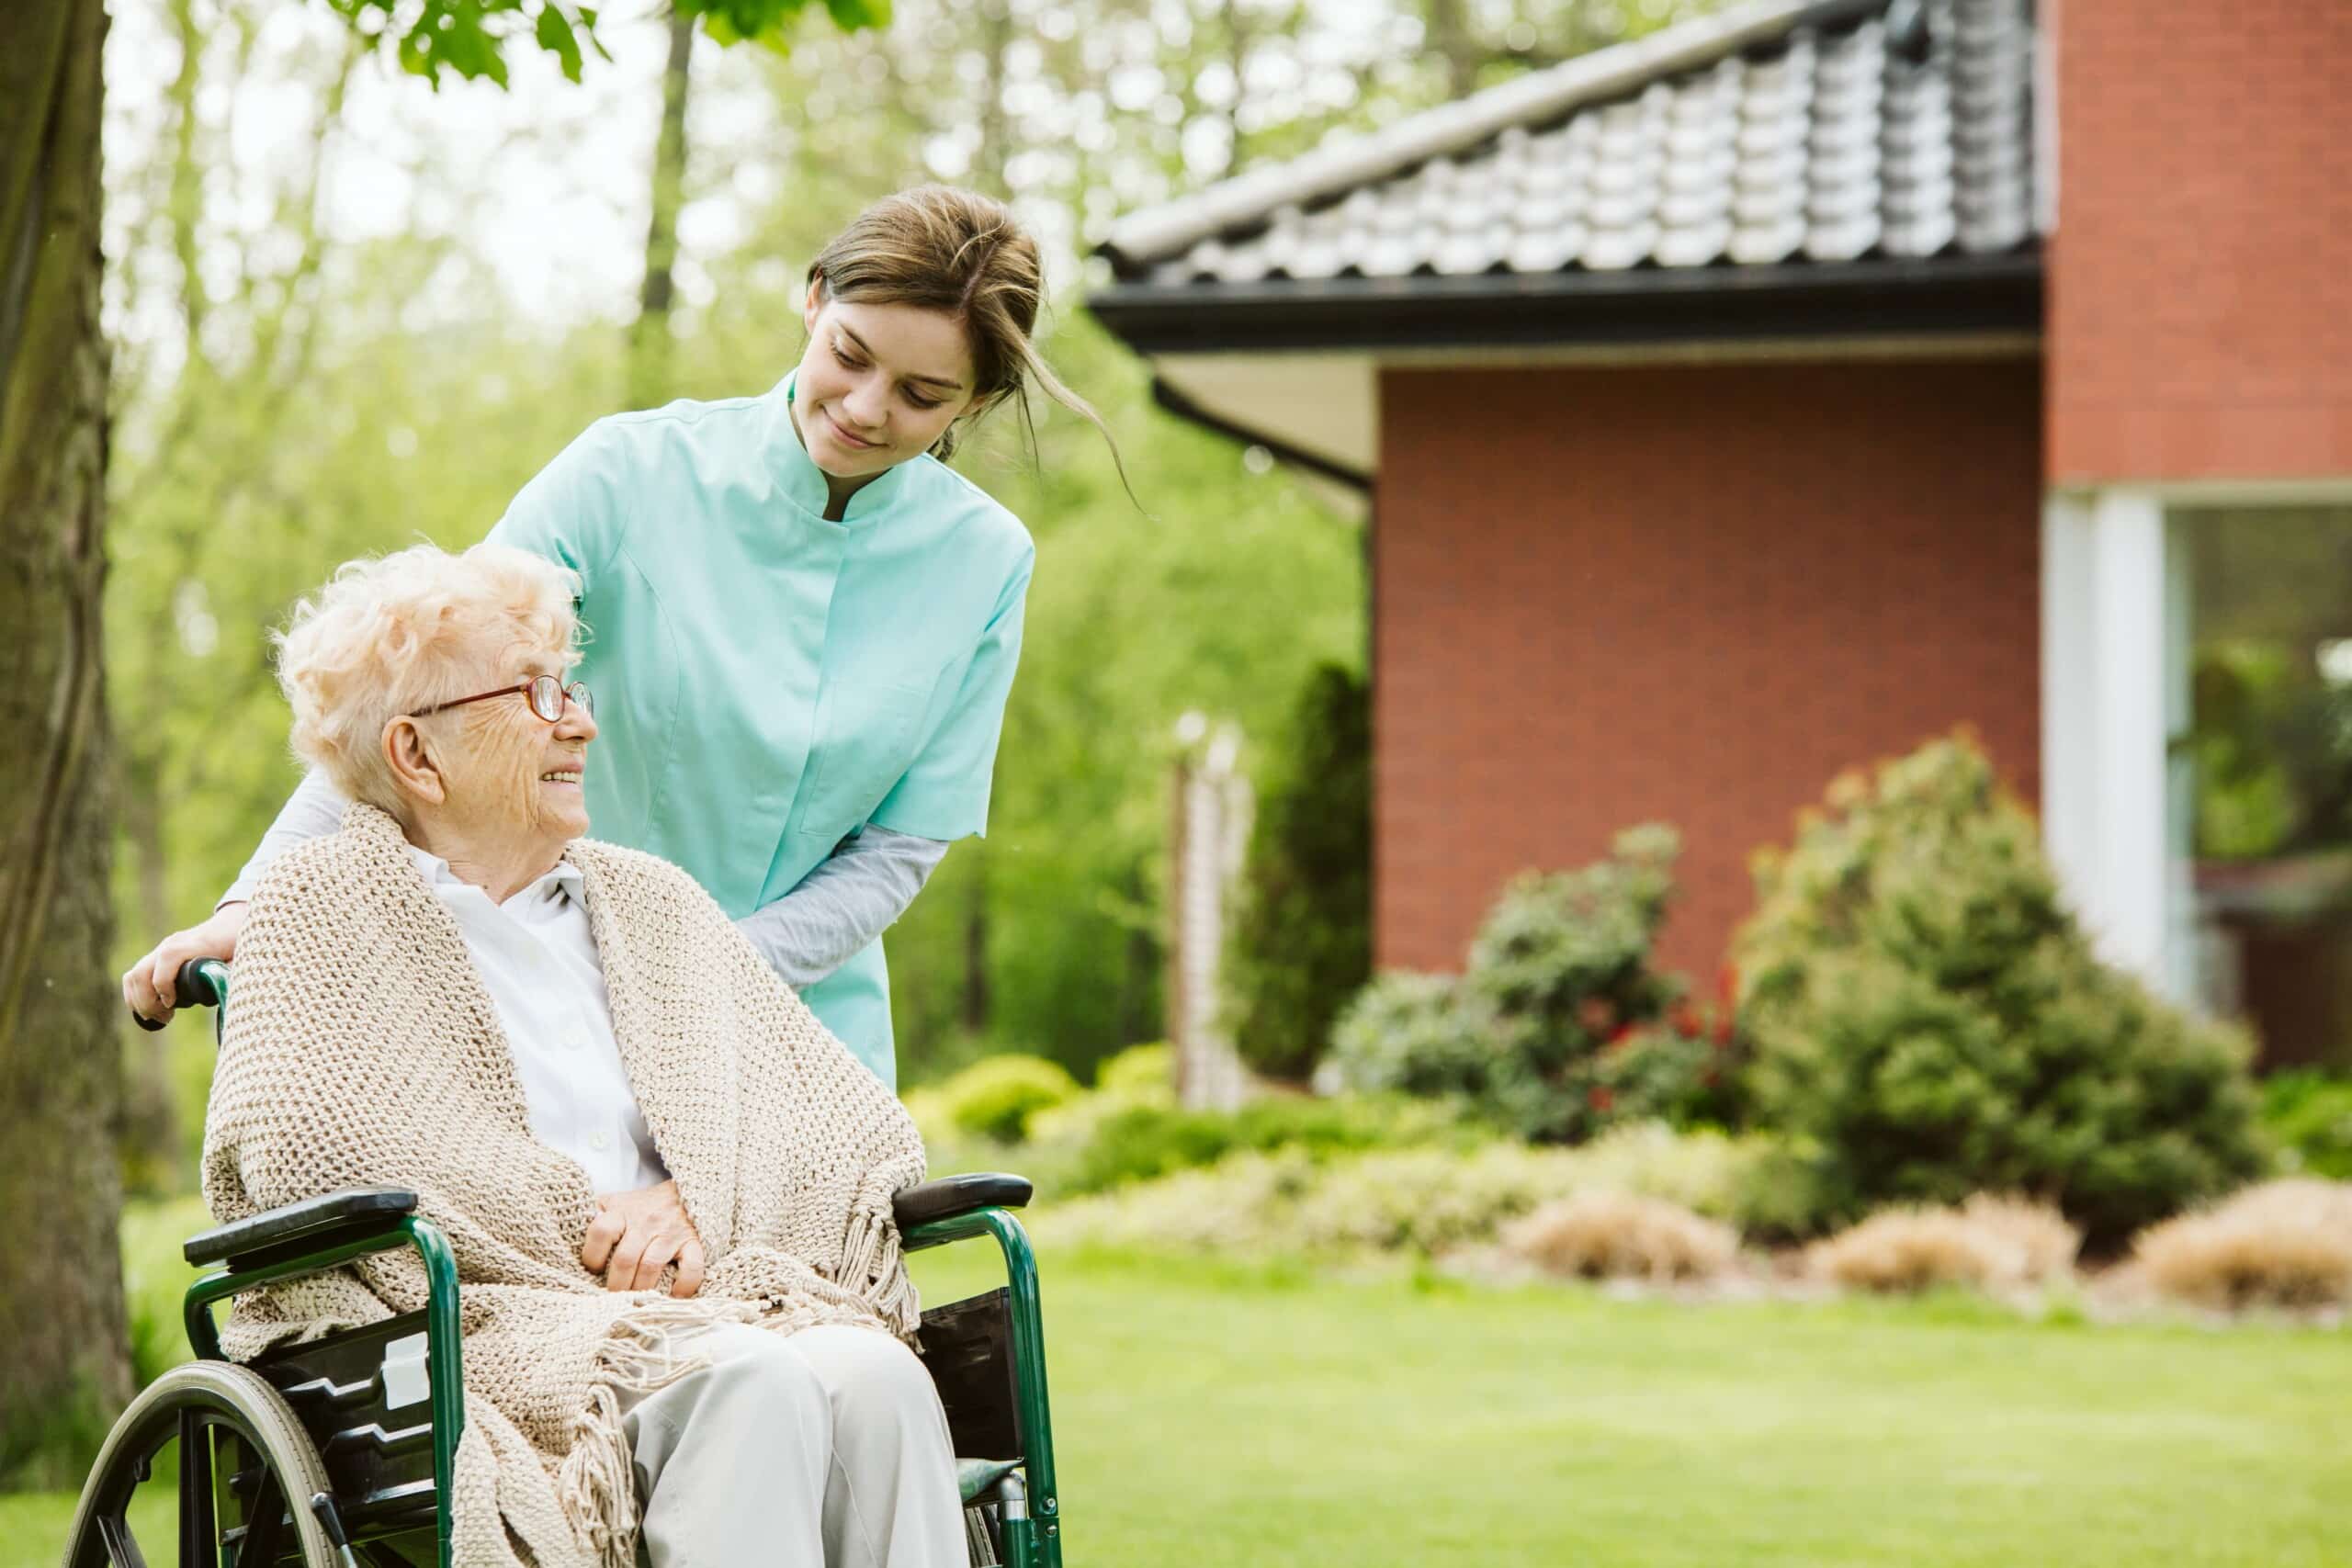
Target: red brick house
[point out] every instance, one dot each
(1770, 393)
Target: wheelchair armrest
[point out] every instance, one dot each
(310, 1224)
(953, 1195)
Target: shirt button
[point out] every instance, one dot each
(574, 1042)
(597, 1140)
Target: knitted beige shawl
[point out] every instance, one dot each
(363, 1048)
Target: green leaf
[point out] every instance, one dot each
(555, 36)
(720, 29)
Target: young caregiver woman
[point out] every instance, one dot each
(802, 625)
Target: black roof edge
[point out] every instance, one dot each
(1185, 408)
(1936, 297)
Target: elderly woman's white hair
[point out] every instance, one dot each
(390, 636)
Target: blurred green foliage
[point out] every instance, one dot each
(994, 1098)
(1302, 939)
(2272, 750)
(2308, 1116)
(1426, 1195)
(1147, 1142)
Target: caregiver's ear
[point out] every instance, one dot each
(415, 768)
(812, 304)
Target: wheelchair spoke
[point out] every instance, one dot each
(122, 1548)
(200, 1527)
(113, 1515)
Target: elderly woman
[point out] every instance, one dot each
(668, 1188)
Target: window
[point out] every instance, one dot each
(2261, 774)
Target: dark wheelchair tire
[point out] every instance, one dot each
(189, 1399)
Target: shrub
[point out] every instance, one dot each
(1988, 1242)
(1559, 969)
(996, 1098)
(1415, 1033)
(1687, 1070)
(1927, 1021)
(2308, 1116)
(1141, 1143)
(1426, 1199)
(1140, 1072)
(1302, 941)
(2284, 1242)
(1610, 1236)
(1139, 1077)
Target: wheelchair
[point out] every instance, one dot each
(337, 1453)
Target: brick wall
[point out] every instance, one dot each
(1611, 595)
(2201, 278)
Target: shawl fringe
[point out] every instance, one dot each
(596, 1482)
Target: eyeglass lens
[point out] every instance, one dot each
(548, 695)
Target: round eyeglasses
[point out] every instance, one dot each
(545, 694)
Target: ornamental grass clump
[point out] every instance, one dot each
(2282, 1243)
(1986, 1244)
(1622, 1235)
(1926, 1022)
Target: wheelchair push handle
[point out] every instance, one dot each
(199, 982)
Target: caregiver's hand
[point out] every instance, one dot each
(147, 985)
(636, 1235)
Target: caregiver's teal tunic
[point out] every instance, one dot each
(768, 683)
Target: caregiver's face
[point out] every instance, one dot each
(507, 771)
(879, 383)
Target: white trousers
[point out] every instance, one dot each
(825, 1449)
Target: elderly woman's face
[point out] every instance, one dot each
(508, 771)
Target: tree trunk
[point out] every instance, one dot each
(150, 1128)
(64, 1369)
(996, 127)
(1452, 38)
(649, 337)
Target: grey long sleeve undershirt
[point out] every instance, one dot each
(846, 902)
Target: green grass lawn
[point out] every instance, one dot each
(1211, 1417)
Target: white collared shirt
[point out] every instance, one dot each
(538, 959)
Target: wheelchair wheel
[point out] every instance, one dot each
(223, 1415)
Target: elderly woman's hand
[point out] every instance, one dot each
(636, 1234)
(147, 985)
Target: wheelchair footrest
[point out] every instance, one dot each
(975, 1476)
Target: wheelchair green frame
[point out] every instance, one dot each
(1031, 1526)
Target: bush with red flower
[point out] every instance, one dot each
(1685, 1069)
(1559, 972)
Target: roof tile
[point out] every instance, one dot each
(1829, 145)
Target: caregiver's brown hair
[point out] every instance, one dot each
(943, 248)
